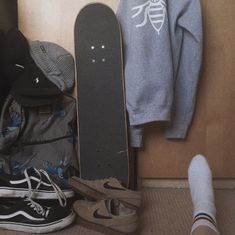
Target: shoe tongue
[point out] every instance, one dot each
(31, 172)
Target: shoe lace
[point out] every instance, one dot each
(27, 177)
(59, 193)
(37, 207)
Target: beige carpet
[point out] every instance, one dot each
(168, 212)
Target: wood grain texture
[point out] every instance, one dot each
(52, 20)
(212, 132)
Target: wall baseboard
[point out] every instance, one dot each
(183, 183)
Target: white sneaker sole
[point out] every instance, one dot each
(39, 194)
(39, 228)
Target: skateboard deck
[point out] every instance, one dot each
(102, 122)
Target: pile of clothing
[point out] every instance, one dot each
(37, 134)
(36, 79)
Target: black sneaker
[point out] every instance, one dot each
(26, 215)
(33, 183)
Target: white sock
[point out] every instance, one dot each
(205, 221)
(201, 188)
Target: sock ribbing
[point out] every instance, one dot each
(204, 219)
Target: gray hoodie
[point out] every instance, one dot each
(162, 51)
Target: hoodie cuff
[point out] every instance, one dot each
(136, 137)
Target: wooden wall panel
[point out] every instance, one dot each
(8, 14)
(52, 20)
(212, 132)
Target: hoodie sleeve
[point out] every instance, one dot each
(188, 70)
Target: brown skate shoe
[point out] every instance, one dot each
(107, 188)
(107, 216)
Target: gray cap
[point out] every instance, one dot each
(56, 63)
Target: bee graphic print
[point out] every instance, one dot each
(154, 11)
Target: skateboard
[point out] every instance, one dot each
(102, 122)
